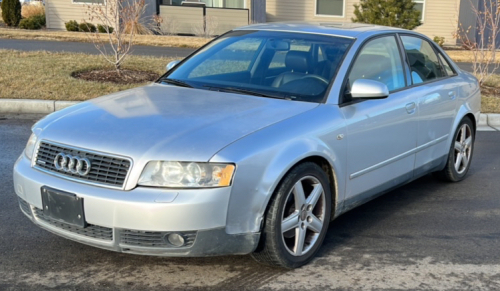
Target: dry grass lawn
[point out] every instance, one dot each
(153, 40)
(463, 56)
(490, 104)
(493, 81)
(45, 75)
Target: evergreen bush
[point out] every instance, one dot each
(11, 12)
(395, 13)
(33, 22)
(71, 25)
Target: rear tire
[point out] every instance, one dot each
(460, 154)
(297, 218)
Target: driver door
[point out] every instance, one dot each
(381, 133)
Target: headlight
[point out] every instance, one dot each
(30, 146)
(186, 174)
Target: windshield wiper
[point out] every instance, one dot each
(177, 82)
(242, 91)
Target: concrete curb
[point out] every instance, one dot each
(33, 106)
(487, 121)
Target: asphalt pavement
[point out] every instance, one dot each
(427, 235)
(88, 48)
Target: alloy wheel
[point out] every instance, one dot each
(463, 148)
(303, 216)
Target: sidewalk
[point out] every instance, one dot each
(487, 121)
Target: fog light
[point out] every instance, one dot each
(175, 239)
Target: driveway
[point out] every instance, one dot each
(427, 235)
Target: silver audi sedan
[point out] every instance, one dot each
(253, 144)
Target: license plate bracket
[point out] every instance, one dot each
(63, 207)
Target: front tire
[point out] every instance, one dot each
(460, 155)
(297, 219)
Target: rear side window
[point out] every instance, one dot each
(447, 68)
(424, 62)
(278, 60)
(379, 60)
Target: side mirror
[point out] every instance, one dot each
(369, 89)
(172, 64)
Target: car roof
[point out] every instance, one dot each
(343, 29)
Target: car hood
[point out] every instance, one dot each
(161, 122)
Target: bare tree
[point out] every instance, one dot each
(119, 19)
(481, 38)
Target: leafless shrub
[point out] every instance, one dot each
(162, 26)
(480, 40)
(170, 26)
(206, 27)
(137, 26)
(119, 19)
(32, 9)
(155, 24)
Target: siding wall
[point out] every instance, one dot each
(440, 19)
(467, 17)
(440, 16)
(303, 10)
(60, 11)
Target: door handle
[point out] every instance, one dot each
(452, 95)
(410, 107)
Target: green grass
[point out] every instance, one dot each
(45, 75)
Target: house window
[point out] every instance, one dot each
(330, 7)
(419, 5)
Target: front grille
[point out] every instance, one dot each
(153, 238)
(105, 169)
(25, 207)
(93, 231)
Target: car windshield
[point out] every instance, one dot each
(295, 66)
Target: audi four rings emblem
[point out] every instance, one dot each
(72, 164)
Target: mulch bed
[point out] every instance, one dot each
(124, 77)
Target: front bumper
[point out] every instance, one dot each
(137, 221)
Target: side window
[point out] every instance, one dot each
(449, 71)
(424, 63)
(379, 60)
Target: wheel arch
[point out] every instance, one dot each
(326, 166)
(463, 111)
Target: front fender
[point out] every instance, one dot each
(263, 159)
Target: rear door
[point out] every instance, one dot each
(433, 79)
